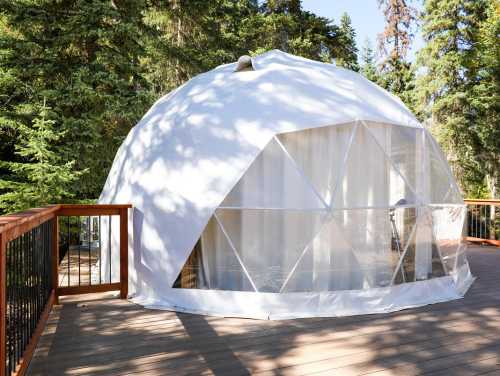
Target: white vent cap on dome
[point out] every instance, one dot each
(244, 64)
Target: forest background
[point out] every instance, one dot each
(77, 75)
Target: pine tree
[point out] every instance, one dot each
(446, 89)
(41, 177)
(82, 57)
(397, 74)
(368, 64)
(284, 25)
(190, 37)
(485, 98)
(349, 52)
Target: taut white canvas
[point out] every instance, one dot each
(295, 189)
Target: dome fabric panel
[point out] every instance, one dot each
(296, 189)
(273, 181)
(320, 153)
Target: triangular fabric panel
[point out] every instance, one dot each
(273, 181)
(269, 242)
(404, 147)
(320, 153)
(442, 188)
(329, 264)
(213, 264)
(370, 180)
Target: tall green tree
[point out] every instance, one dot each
(189, 37)
(82, 58)
(41, 177)
(348, 56)
(397, 73)
(485, 98)
(447, 87)
(368, 63)
(284, 25)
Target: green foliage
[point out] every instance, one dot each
(396, 74)
(458, 90)
(43, 177)
(485, 98)
(368, 63)
(348, 58)
(82, 59)
(98, 65)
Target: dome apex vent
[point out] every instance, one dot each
(244, 64)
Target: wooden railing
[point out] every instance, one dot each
(33, 252)
(483, 221)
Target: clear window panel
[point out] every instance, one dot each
(370, 233)
(213, 264)
(320, 153)
(369, 179)
(404, 147)
(447, 225)
(441, 188)
(270, 242)
(273, 181)
(406, 272)
(429, 263)
(330, 264)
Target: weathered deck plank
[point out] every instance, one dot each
(113, 337)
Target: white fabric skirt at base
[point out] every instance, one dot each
(275, 306)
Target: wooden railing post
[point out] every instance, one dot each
(55, 257)
(3, 304)
(123, 253)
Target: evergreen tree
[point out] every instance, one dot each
(284, 25)
(447, 87)
(485, 99)
(82, 57)
(347, 39)
(368, 64)
(42, 177)
(190, 37)
(397, 74)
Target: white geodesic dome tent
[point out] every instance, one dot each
(292, 189)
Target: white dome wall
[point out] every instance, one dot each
(182, 159)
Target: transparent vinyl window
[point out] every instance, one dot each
(347, 207)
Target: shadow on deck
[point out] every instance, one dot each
(98, 335)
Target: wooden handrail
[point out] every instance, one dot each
(14, 225)
(493, 202)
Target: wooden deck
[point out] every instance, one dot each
(97, 335)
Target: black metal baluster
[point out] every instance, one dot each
(16, 302)
(69, 247)
(90, 239)
(32, 262)
(100, 255)
(8, 266)
(36, 282)
(79, 249)
(109, 242)
(481, 221)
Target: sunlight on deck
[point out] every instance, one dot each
(97, 335)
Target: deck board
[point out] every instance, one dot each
(99, 335)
